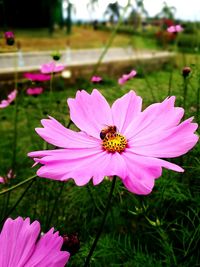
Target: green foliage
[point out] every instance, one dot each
(189, 43)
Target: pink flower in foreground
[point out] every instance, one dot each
(126, 77)
(20, 246)
(51, 67)
(10, 99)
(175, 28)
(37, 77)
(34, 91)
(96, 79)
(120, 140)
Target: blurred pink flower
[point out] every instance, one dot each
(20, 246)
(10, 38)
(126, 77)
(96, 79)
(10, 175)
(120, 140)
(175, 28)
(10, 99)
(9, 35)
(34, 91)
(51, 67)
(37, 77)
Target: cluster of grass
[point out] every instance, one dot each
(161, 229)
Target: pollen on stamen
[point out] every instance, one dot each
(114, 143)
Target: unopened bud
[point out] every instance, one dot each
(56, 56)
(71, 243)
(186, 71)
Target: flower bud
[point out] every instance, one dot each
(56, 56)
(71, 243)
(186, 71)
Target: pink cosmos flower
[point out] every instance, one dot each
(96, 79)
(175, 28)
(51, 67)
(10, 99)
(120, 140)
(126, 77)
(34, 91)
(37, 77)
(20, 246)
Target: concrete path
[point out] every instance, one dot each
(31, 61)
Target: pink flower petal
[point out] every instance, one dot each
(51, 67)
(4, 103)
(90, 113)
(79, 164)
(2, 181)
(17, 241)
(160, 116)
(142, 171)
(56, 134)
(171, 143)
(125, 109)
(20, 247)
(47, 251)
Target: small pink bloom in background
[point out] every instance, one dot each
(37, 77)
(126, 77)
(10, 175)
(20, 246)
(120, 140)
(10, 38)
(9, 35)
(96, 79)
(34, 91)
(10, 99)
(51, 67)
(175, 28)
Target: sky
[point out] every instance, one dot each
(186, 10)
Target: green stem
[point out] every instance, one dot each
(17, 185)
(51, 90)
(55, 205)
(185, 85)
(114, 32)
(17, 202)
(198, 101)
(102, 223)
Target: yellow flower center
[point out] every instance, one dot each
(114, 142)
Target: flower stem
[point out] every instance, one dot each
(17, 202)
(102, 223)
(113, 34)
(17, 185)
(185, 85)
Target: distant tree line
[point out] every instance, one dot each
(30, 13)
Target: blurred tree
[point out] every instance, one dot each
(70, 9)
(31, 14)
(113, 10)
(167, 12)
(91, 7)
